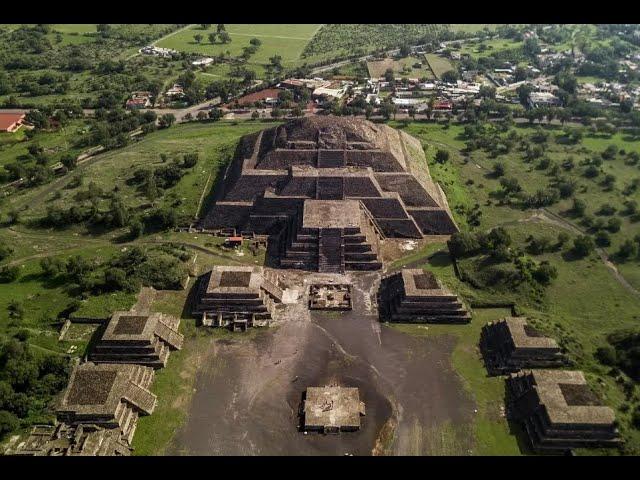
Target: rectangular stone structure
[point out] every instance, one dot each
(332, 409)
(511, 344)
(108, 395)
(237, 297)
(559, 411)
(416, 296)
(144, 339)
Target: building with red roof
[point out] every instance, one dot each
(11, 122)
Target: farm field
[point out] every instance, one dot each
(438, 63)
(402, 68)
(472, 27)
(487, 47)
(277, 39)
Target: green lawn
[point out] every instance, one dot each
(277, 39)
(439, 64)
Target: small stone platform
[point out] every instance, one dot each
(330, 297)
(332, 409)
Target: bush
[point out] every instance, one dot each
(602, 239)
(614, 224)
(463, 244)
(583, 245)
(9, 273)
(606, 355)
(627, 249)
(8, 422)
(442, 156)
(544, 273)
(5, 251)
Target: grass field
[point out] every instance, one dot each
(402, 68)
(213, 142)
(439, 64)
(487, 47)
(472, 27)
(287, 40)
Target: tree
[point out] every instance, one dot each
(220, 28)
(215, 114)
(579, 207)
(212, 38)
(583, 245)
(389, 75)
(224, 37)
(9, 273)
(498, 169)
(442, 156)
(523, 92)
(104, 30)
(388, 108)
(450, 76)
(69, 161)
(197, 37)
(602, 239)
(276, 62)
(627, 249)
(510, 185)
(255, 115)
(5, 251)
(166, 120)
(8, 422)
(544, 273)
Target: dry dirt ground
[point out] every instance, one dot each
(248, 391)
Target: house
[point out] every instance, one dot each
(11, 122)
(202, 62)
(139, 100)
(469, 75)
(332, 91)
(538, 99)
(268, 96)
(443, 105)
(158, 51)
(175, 91)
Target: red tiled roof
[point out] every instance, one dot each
(7, 120)
(256, 97)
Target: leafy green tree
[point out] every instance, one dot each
(167, 120)
(442, 156)
(583, 245)
(8, 422)
(628, 249)
(197, 37)
(5, 251)
(9, 273)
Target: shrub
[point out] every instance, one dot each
(9, 273)
(442, 156)
(602, 239)
(606, 355)
(8, 422)
(544, 273)
(583, 245)
(463, 244)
